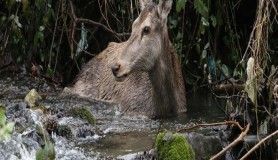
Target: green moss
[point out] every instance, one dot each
(173, 147)
(83, 113)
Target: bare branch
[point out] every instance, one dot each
(212, 124)
(258, 144)
(88, 21)
(236, 141)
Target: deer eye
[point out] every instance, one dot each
(146, 30)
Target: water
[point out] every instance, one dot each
(114, 135)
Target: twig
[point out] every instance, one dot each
(212, 124)
(76, 20)
(58, 49)
(258, 144)
(53, 36)
(236, 141)
(88, 21)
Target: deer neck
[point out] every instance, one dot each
(162, 79)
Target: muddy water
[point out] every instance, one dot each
(113, 135)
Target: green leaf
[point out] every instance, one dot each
(213, 20)
(201, 8)
(3, 118)
(16, 20)
(25, 5)
(39, 36)
(49, 72)
(205, 22)
(204, 54)
(180, 5)
(6, 129)
(225, 70)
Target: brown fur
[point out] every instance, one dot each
(156, 91)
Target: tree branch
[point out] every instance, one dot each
(258, 144)
(213, 124)
(94, 23)
(236, 141)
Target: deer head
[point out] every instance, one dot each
(147, 41)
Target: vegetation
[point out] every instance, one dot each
(46, 153)
(173, 146)
(232, 43)
(6, 128)
(54, 38)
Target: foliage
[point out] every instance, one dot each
(6, 128)
(173, 146)
(180, 4)
(210, 36)
(46, 153)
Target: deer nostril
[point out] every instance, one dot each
(115, 68)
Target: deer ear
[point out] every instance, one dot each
(164, 8)
(144, 3)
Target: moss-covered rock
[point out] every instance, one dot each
(32, 98)
(83, 113)
(173, 147)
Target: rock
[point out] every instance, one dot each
(173, 146)
(20, 115)
(51, 124)
(83, 113)
(85, 131)
(64, 131)
(32, 98)
(19, 147)
(204, 145)
(146, 155)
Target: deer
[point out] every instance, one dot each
(143, 74)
